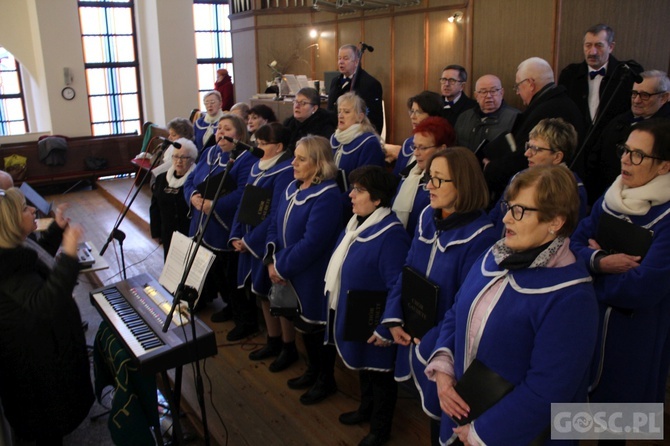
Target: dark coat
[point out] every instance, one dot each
(452, 113)
(168, 212)
(550, 102)
(225, 88)
(45, 382)
(603, 165)
(365, 86)
(321, 123)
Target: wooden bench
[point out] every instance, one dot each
(118, 150)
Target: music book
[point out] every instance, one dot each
(419, 297)
(616, 235)
(208, 188)
(499, 147)
(341, 180)
(177, 258)
(36, 199)
(362, 315)
(255, 205)
(481, 388)
(283, 299)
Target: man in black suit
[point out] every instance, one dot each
(543, 99)
(649, 99)
(591, 83)
(456, 101)
(354, 78)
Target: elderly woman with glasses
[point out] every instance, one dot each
(308, 118)
(632, 286)
(45, 382)
(419, 107)
(169, 210)
(552, 142)
(205, 126)
(451, 233)
(429, 136)
(527, 313)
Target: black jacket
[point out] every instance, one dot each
(365, 86)
(321, 123)
(603, 164)
(452, 113)
(45, 382)
(168, 212)
(550, 102)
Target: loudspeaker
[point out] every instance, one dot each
(67, 76)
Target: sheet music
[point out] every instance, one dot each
(176, 263)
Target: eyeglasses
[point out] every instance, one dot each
(420, 148)
(180, 158)
(450, 81)
(437, 182)
(516, 86)
(302, 103)
(265, 143)
(534, 149)
(359, 190)
(636, 156)
(517, 210)
(415, 112)
(488, 92)
(644, 96)
(211, 102)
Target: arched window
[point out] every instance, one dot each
(12, 106)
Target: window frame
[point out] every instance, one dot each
(20, 95)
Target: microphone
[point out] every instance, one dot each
(167, 142)
(365, 46)
(255, 151)
(636, 76)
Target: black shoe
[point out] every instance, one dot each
(374, 439)
(269, 350)
(304, 381)
(288, 355)
(355, 417)
(319, 392)
(223, 315)
(241, 332)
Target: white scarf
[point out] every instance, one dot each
(345, 137)
(638, 200)
(267, 164)
(334, 271)
(211, 127)
(404, 201)
(173, 181)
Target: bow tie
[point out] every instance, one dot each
(593, 74)
(448, 104)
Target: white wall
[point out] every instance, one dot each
(44, 35)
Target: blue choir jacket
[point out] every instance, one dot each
(445, 259)
(404, 155)
(303, 231)
(539, 335)
(212, 163)
(632, 365)
(373, 262)
(250, 263)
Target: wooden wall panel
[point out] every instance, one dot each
(327, 53)
(508, 32)
(641, 30)
(409, 72)
(377, 33)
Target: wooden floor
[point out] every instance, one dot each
(245, 403)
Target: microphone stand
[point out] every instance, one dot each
(189, 294)
(599, 118)
(116, 233)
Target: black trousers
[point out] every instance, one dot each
(222, 277)
(379, 393)
(243, 303)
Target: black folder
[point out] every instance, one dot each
(481, 388)
(255, 205)
(36, 199)
(208, 187)
(341, 180)
(615, 235)
(419, 297)
(363, 313)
